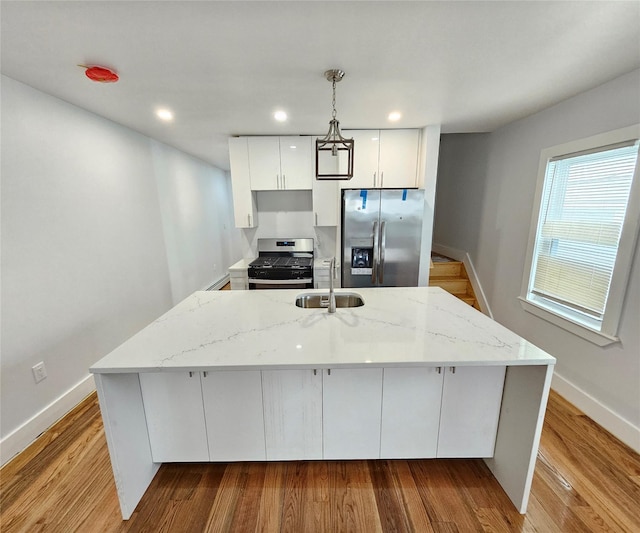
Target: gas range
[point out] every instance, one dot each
(282, 264)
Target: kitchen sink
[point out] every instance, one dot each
(316, 301)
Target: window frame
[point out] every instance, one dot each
(539, 306)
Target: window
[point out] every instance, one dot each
(583, 234)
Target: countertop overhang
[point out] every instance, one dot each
(232, 330)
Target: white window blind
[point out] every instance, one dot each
(583, 206)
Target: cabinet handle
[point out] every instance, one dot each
(315, 371)
(453, 369)
(205, 374)
(249, 219)
(328, 371)
(284, 181)
(190, 374)
(374, 179)
(316, 218)
(382, 179)
(439, 369)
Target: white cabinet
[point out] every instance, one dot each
(233, 413)
(351, 403)
(398, 164)
(384, 159)
(292, 414)
(410, 412)
(280, 163)
(322, 273)
(175, 416)
(204, 416)
(326, 202)
(238, 275)
(360, 413)
(471, 400)
(244, 205)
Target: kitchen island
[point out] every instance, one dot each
(248, 375)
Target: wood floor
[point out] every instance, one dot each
(585, 480)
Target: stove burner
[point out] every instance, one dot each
(282, 262)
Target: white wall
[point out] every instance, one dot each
(500, 172)
(197, 220)
(85, 260)
(460, 190)
(287, 214)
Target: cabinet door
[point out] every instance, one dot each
(326, 202)
(471, 400)
(175, 416)
(264, 163)
(398, 158)
(244, 207)
(292, 414)
(351, 402)
(296, 167)
(410, 412)
(233, 411)
(365, 159)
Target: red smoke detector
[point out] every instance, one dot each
(100, 74)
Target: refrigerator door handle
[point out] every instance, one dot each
(374, 268)
(383, 242)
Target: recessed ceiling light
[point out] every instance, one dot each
(164, 114)
(394, 116)
(280, 116)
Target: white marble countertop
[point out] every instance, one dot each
(264, 329)
(241, 265)
(214, 330)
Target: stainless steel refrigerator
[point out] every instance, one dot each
(381, 235)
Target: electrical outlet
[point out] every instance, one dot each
(39, 372)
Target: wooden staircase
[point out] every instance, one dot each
(452, 277)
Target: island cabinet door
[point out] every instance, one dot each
(351, 402)
(175, 416)
(233, 411)
(471, 401)
(292, 414)
(410, 412)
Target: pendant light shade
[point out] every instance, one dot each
(334, 153)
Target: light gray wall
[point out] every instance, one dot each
(459, 191)
(495, 178)
(197, 219)
(103, 229)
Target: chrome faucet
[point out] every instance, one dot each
(332, 296)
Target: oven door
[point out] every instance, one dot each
(302, 283)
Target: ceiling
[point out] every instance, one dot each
(224, 67)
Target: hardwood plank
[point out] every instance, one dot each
(353, 506)
(416, 513)
(388, 497)
(440, 494)
(270, 504)
(233, 482)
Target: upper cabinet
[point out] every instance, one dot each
(384, 159)
(244, 205)
(326, 201)
(280, 163)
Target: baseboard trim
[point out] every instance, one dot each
(465, 258)
(599, 413)
(19, 439)
(447, 251)
(216, 286)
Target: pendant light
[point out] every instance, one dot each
(334, 153)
